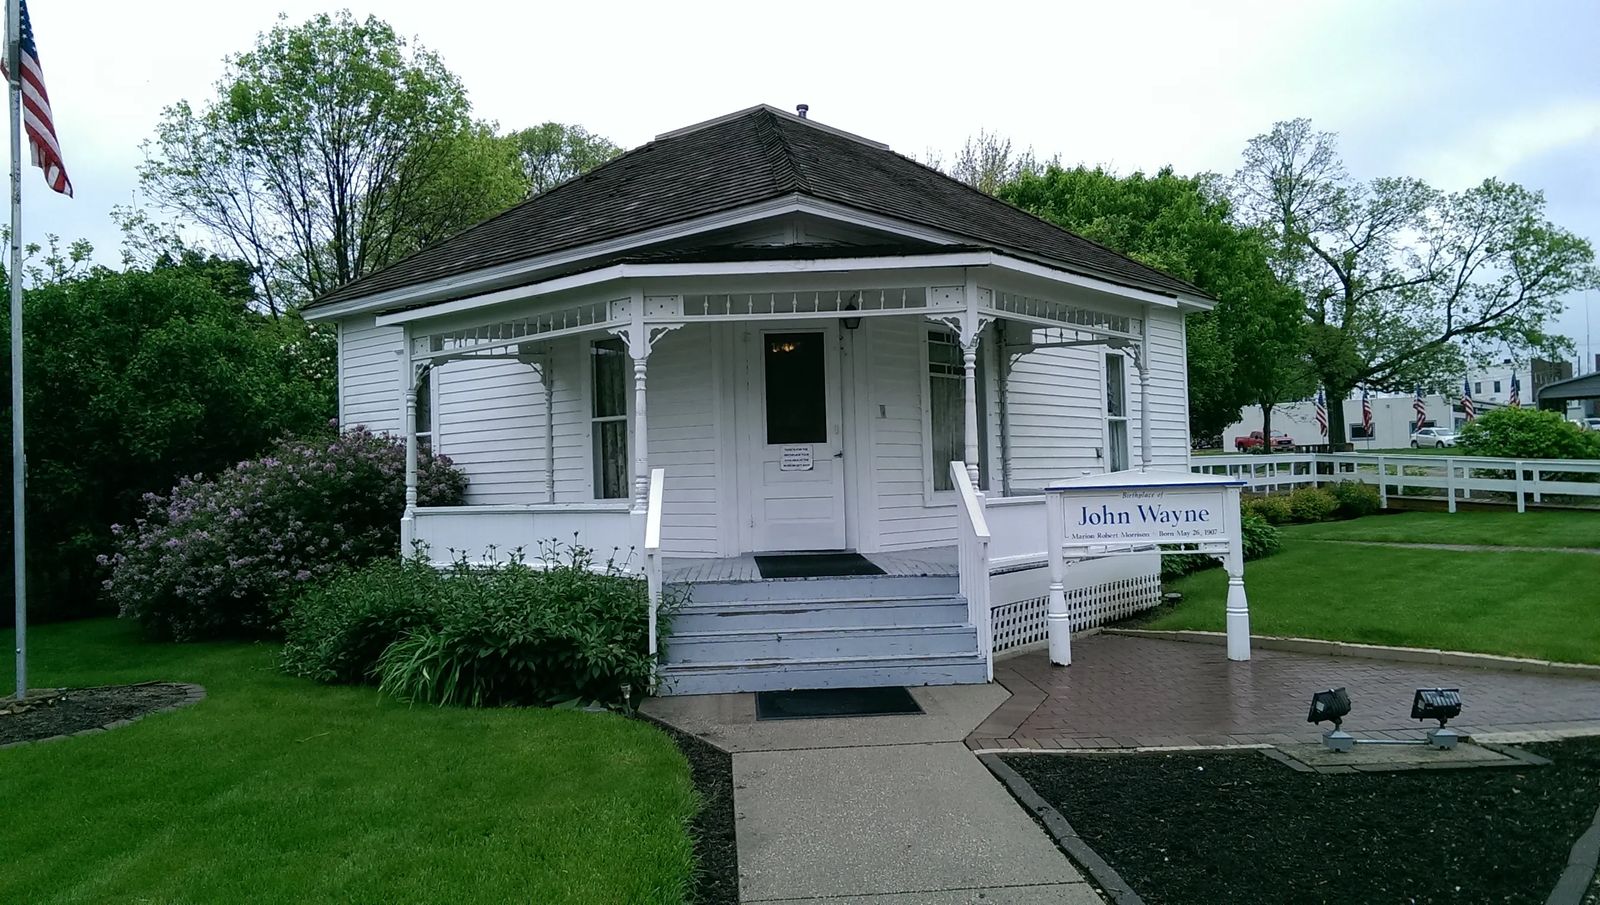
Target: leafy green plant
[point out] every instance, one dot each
(1260, 538)
(1356, 498)
(218, 556)
(335, 631)
(1275, 509)
(1312, 504)
(566, 628)
(1526, 433)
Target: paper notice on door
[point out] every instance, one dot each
(795, 458)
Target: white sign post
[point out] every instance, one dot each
(1125, 513)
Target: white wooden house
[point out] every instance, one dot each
(760, 334)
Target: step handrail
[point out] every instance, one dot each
(652, 549)
(972, 539)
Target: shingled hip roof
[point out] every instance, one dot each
(746, 158)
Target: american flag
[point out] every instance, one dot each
(1421, 408)
(1366, 414)
(36, 118)
(1467, 407)
(1516, 393)
(1322, 413)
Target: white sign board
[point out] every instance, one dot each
(1164, 515)
(795, 458)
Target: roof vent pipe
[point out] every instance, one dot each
(801, 109)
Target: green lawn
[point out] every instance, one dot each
(1546, 528)
(274, 789)
(1523, 604)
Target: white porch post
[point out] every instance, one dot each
(1238, 607)
(971, 330)
(1142, 362)
(408, 423)
(641, 427)
(1058, 626)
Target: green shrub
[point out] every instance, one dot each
(1527, 433)
(219, 556)
(1356, 498)
(1275, 509)
(1260, 538)
(335, 631)
(1175, 566)
(1312, 504)
(512, 633)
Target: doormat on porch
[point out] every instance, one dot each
(815, 565)
(828, 702)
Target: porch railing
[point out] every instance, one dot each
(1455, 478)
(484, 533)
(972, 539)
(652, 549)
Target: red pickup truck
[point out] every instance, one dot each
(1280, 440)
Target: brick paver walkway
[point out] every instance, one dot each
(1123, 692)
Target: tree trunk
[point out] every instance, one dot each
(1336, 422)
(1266, 427)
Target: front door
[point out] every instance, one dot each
(794, 437)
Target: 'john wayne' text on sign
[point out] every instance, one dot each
(1168, 515)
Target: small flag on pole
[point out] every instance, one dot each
(37, 120)
(1421, 408)
(1467, 407)
(1366, 414)
(1516, 392)
(1322, 414)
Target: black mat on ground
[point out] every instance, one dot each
(829, 702)
(815, 565)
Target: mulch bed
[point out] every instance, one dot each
(1237, 827)
(76, 710)
(716, 852)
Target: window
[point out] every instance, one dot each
(1358, 431)
(1477, 388)
(424, 412)
(608, 412)
(1497, 386)
(947, 410)
(796, 388)
(1116, 412)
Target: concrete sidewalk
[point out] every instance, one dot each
(890, 810)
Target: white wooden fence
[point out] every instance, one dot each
(1451, 478)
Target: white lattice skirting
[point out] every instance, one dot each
(1021, 622)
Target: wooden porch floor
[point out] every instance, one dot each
(925, 561)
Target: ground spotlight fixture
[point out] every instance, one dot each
(851, 323)
(1333, 706)
(1442, 704)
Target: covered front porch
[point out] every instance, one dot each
(680, 424)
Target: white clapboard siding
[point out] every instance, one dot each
(491, 422)
(684, 401)
(897, 373)
(1055, 414)
(1169, 404)
(369, 374)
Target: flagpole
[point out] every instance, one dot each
(19, 466)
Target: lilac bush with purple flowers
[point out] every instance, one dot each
(218, 557)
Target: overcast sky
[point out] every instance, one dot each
(1450, 92)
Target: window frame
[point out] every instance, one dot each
(593, 435)
(1107, 459)
(930, 495)
(428, 387)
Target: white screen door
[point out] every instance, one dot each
(794, 435)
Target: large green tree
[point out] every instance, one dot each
(552, 153)
(329, 149)
(135, 379)
(1402, 281)
(1250, 348)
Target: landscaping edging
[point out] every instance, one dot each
(1377, 652)
(1104, 875)
(1582, 870)
(716, 880)
(192, 694)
